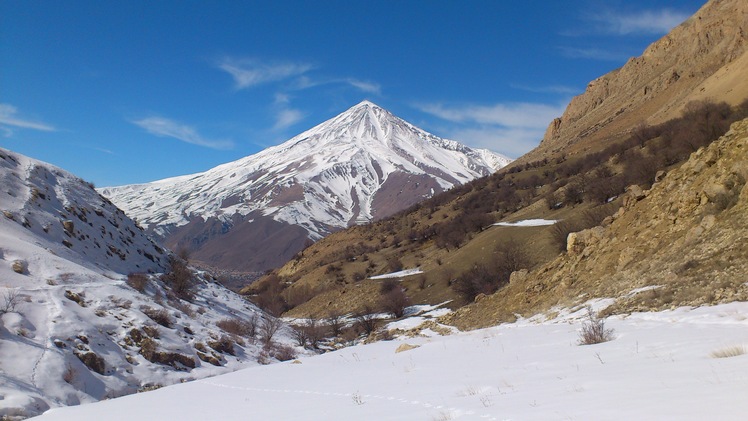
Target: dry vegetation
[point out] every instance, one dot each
(451, 236)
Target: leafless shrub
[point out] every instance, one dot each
(593, 330)
(180, 278)
(395, 301)
(10, 300)
(69, 374)
(511, 256)
(235, 326)
(334, 322)
(137, 281)
(152, 331)
(731, 351)
(365, 321)
(309, 334)
(268, 328)
(159, 316)
(480, 279)
(278, 351)
(223, 344)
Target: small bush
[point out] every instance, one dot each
(9, 301)
(731, 351)
(237, 327)
(594, 331)
(268, 328)
(138, 281)
(335, 323)
(395, 301)
(223, 344)
(159, 316)
(180, 278)
(282, 352)
(365, 321)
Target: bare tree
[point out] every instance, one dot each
(334, 322)
(10, 299)
(365, 320)
(268, 328)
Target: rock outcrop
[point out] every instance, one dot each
(680, 243)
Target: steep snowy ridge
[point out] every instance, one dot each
(361, 165)
(61, 209)
(72, 328)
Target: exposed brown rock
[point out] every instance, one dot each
(703, 58)
(683, 237)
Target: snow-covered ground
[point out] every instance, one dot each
(399, 274)
(527, 223)
(658, 366)
(72, 328)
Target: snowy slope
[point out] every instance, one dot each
(348, 170)
(658, 366)
(65, 253)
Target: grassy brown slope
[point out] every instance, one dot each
(686, 236)
(451, 235)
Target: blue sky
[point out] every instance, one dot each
(122, 92)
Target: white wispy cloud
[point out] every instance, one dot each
(593, 53)
(636, 23)
(306, 82)
(287, 117)
(9, 120)
(521, 114)
(252, 72)
(509, 128)
(164, 127)
(548, 89)
(365, 86)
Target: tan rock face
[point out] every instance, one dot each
(704, 58)
(686, 236)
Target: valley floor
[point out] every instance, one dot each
(658, 366)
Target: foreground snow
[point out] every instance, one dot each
(659, 366)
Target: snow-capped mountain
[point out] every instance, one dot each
(362, 165)
(74, 328)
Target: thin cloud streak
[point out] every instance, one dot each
(526, 115)
(287, 117)
(9, 117)
(305, 82)
(512, 129)
(512, 142)
(645, 22)
(164, 127)
(250, 72)
(594, 54)
(549, 89)
(365, 86)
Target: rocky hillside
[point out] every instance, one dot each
(84, 314)
(256, 213)
(704, 58)
(680, 243)
(452, 238)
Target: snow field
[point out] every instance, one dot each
(659, 366)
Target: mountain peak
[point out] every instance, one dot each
(365, 104)
(360, 165)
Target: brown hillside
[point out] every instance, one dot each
(580, 176)
(686, 237)
(705, 57)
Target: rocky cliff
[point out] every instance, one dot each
(702, 59)
(680, 243)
